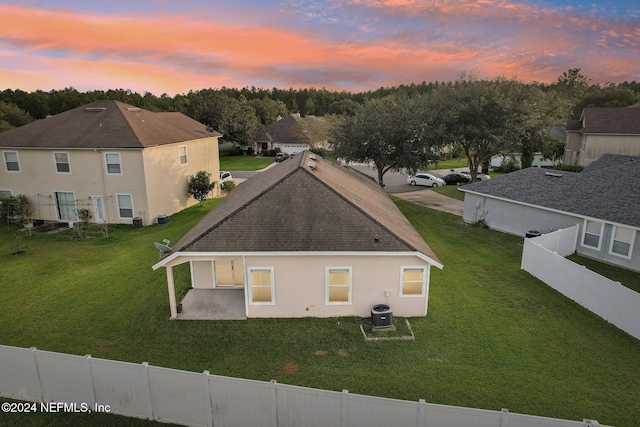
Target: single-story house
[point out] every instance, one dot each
(307, 238)
(603, 199)
(281, 135)
(116, 160)
(603, 130)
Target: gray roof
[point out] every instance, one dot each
(290, 207)
(618, 120)
(608, 189)
(106, 124)
(281, 131)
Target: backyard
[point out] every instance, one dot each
(494, 337)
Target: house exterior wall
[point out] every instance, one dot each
(166, 179)
(595, 145)
(300, 285)
(38, 180)
(515, 218)
(572, 147)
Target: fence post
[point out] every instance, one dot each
(590, 423)
(504, 420)
(87, 358)
(274, 403)
(344, 408)
(207, 394)
(422, 413)
(35, 364)
(145, 373)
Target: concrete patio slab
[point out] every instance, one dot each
(213, 304)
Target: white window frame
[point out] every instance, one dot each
(57, 205)
(327, 286)
(68, 163)
(180, 155)
(250, 285)
(106, 162)
(133, 211)
(613, 238)
(425, 275)
(584, 233)
(6, 161)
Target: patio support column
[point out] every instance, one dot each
(172, 292)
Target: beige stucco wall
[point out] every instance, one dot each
(300, 289)
(595, 145)
(166, 180)
(38, 180)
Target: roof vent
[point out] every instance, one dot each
(134, 109)
(553, 174)
(312, 156)
(94, 109)
(312, 166)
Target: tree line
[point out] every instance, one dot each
(408, 125)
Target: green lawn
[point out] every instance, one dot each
(451, 164)
(495, 337)
(451, 191)
(627, 278)
(244, 163)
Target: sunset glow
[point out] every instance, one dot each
(355, 45)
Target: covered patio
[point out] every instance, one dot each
(213, 304)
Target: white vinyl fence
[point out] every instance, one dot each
(543, 257)
(64, 382)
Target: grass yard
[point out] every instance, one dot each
(627, 278)
(461, 162)
(495, 337)
(244, 163)
(451, 191)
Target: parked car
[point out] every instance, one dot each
(281, 156)
(225, 176)
(426, 179)
(456, 178)
(479, 177)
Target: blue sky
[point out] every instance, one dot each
(176, 46)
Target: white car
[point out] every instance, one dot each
(224, 176)
(479, 177)
(426, 179)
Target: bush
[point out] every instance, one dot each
(269, 153)
(567, 167)
(200, 185)
(508, 165)
(228, 185)
(15, 209)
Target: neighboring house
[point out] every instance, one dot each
(603, 199)
(538, 160)
(116, 160)
(613, 130)
(281, 135)
(307, 238)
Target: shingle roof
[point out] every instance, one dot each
(106, 124)
(608, 189)
(611, 120)
(281, 131)
(291, 207)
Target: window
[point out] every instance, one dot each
(66, 205)
(125, 205)
(183, 155)
(62, 162)
(413, 281)
(622, 242)
(11, 161)
(338, 285)
(592, 234)
(113, 163)
(5, 193)
(261, 286)
(228, 272)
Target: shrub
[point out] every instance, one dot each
(200, 185)
(15, 209)
(228, 185)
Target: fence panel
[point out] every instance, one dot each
(18, 374)
(65, 378)
(240, 402)
(300, 406)
(519, 420)
(367, 411)
(453, 416)
(123, 386)
(179, 396)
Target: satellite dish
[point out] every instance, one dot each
(164, 249)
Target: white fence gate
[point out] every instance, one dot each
(543, 257)
(68, 382)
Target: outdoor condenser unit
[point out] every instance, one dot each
(381, 316)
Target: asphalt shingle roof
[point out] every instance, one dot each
(616, 120)
(291, 207)
(106, 124)
(608, 189)
(281, 131)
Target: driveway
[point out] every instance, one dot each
(433, 200)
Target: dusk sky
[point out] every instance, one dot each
(174, 46)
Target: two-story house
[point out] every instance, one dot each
(118, 161)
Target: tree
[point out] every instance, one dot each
(200, 186)
(12, 117)
(392, 133)
(311, 129)
(571, 85)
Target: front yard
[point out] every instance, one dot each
(495, 337)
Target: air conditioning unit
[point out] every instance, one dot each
(381, 316)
